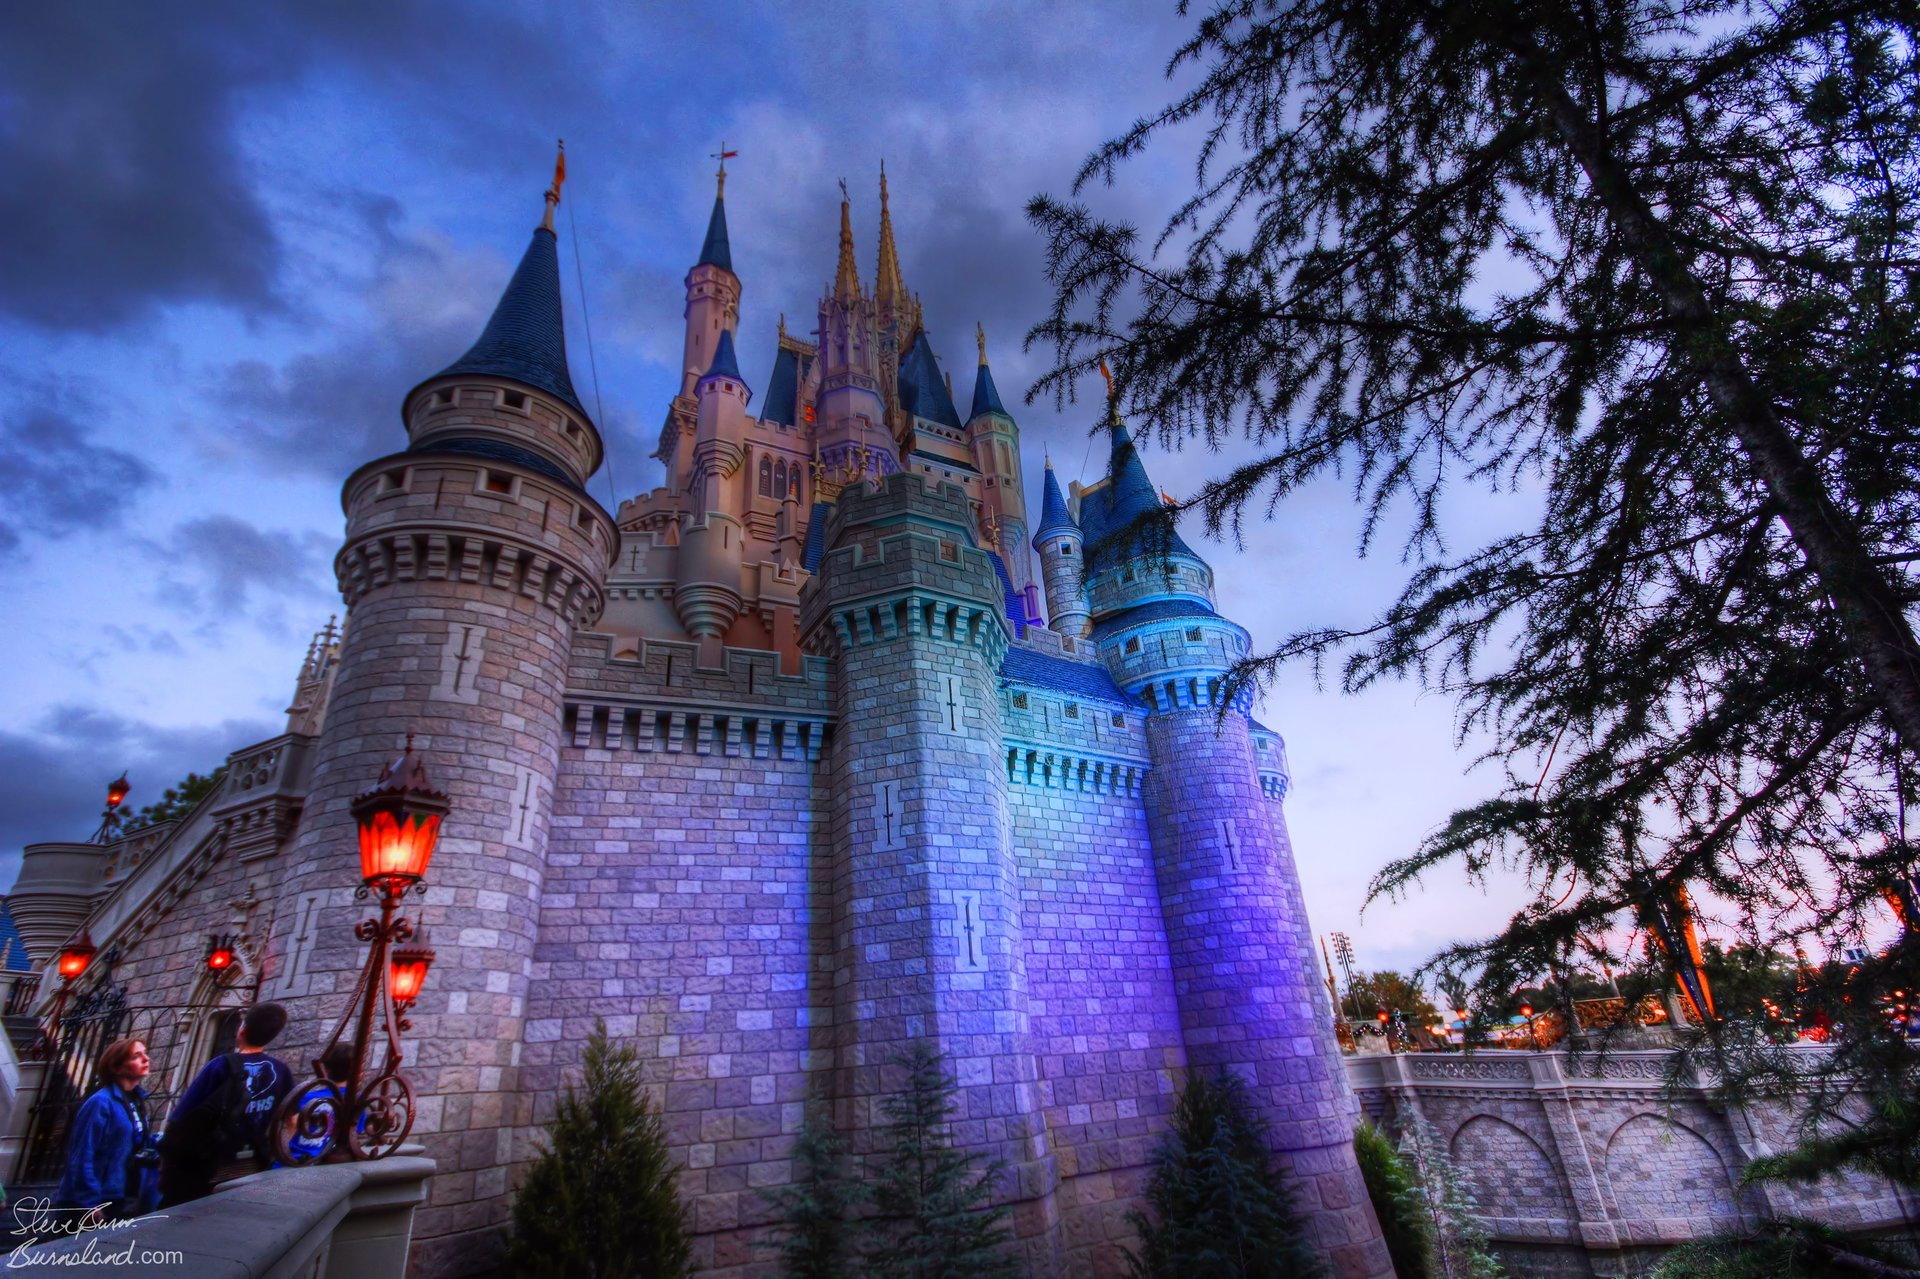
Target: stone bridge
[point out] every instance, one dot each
(1593, 1164)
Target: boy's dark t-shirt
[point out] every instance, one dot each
(266, 1081)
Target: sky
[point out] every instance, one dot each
(233, 236)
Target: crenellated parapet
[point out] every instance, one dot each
(903, 563)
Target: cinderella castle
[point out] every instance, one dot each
(818, 749)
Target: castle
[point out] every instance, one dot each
(775, 769)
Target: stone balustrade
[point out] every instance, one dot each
(1586, 1163)
(334, 1221)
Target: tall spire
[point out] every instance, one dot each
(888, 286)
(553, 192)
(715, 251)
(986, 397)
(846, 281)
(525, 340)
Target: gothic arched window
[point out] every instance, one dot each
(766, 477)
(780, 482)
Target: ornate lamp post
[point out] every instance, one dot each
(1385, 1019)
(1526, 1010)
(399, 822)
(69, 965)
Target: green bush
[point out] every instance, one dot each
(1398, 1202)
(1219, 1208)
(930, 1202)
(813, 1208)
(601, 1201)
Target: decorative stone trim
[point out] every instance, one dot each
(1060, 770)
(401, 553)
(751, 733)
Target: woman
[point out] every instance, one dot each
(112, 1155)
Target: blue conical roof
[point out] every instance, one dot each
(525, 340)
(1113, 506)
(923, 392)
(1054, 517)
(725, 362)
(715, 251)
(986, 399)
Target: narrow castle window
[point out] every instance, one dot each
(780, 481)
(498, 483)
(443, 397)
(1019, 701)
(1119, 720)
(766, 477)
(1132, 645)
(1193, 635)
(1073, 710)
(514, 400)
(393, 481)
(1066, 550)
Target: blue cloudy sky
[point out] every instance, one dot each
(232, 236)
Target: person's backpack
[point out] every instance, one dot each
(216, 1130)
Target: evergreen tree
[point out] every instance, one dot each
(1458, 1240)
(601, 1202)
(813, 1209)
(180, 798)
(1656, 264)
(932, 1219)
(1219, 1208)
(1398, 1202)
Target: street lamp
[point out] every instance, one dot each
(116, 795)
(1385, 1019)
(1526, 1010)
(68, 965)
(399, 824)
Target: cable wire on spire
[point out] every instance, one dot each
(586, 323)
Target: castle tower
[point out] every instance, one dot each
(1249, 996)
(851, 438)
(925, 893)
(995, 442)
(1062, 556)
(470, 560)
(712, 544)
(713, 308)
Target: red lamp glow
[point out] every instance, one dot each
(117, 791)
(1526, 1010)
(399, 822)
(219, 953)
(1383, 1016)
(408, 970)
(75, 956)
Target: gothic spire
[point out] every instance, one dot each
(846, 281)
(888, 286)
(986, 397)
(715, 251)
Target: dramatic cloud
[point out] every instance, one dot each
(59, 478)
(123, 187)
(54, 774)
(221, 567)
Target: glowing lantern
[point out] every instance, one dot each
(219, 954)
(1383, 1016)
(399, 822)
(117, 791)
(75, 956)
(1526, 1010)
(408, 970)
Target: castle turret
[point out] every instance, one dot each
(1061, 549)
(470, 560)
(927, 916)
(994, 440)
(1249, 996)
(707, 595)
(713, 308)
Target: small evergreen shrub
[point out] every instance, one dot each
(1219, 1207)
(1398, 1202)
(813, 1209)
(602, 1202)
(930, 1202)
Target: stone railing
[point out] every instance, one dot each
(1602, 1153)
(335, 1221)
